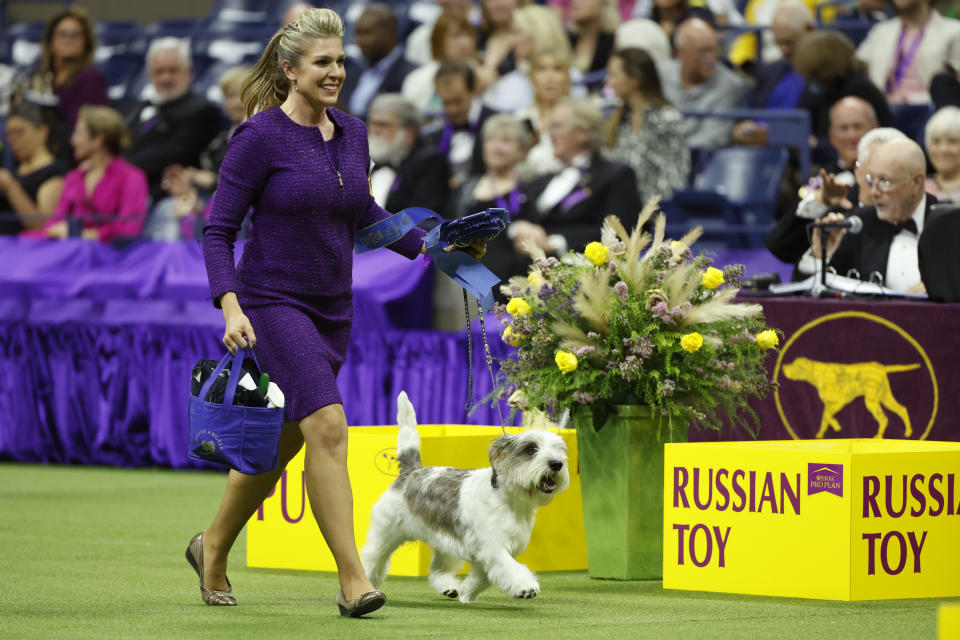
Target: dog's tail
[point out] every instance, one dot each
(895, 368)
(408, 440)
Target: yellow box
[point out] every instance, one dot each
(282, 534)
(948, 622)
(848, 519)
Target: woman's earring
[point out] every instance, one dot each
(295, 86)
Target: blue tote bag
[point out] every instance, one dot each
(242, 438)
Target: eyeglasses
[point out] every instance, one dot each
(882, 184)
(69, 35)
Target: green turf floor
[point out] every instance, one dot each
(98, 553)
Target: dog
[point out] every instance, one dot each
(484, 516)
(840, 384)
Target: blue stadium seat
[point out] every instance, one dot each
(912, 119)
(120, 70)
(734, 196)
(207, 84)
(262, 11)
(117, 38)
(24, 39)
(175, 27)
(855, 29)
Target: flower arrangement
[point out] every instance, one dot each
(634, 319)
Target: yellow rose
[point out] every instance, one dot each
(596, 253)
(566, 361)
(518, 307)
(768, 339)
(511, 338)
(691, 342)
(712, 278)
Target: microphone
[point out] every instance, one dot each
(853, 224)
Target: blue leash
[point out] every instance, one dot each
(475, 278)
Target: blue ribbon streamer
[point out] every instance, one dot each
(475, 278)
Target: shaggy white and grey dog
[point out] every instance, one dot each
(484, 515)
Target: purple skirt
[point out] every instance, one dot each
(301, 343)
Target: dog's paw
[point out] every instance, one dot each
(450, 593)
(527, 594)
(467, 598)
(526, 591)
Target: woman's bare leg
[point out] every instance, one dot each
(331, 498)
(243, 495)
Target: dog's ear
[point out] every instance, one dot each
(499, 448)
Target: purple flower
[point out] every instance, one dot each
(621, 289)
(583, 397)
(667, 387)
(582, 351)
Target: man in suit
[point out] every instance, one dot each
(892, 226)
(457, 137)
(565, 210)
(406, 172)
(176, 124)
(383, 67)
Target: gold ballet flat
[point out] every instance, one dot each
(212, 597)
(360, 606)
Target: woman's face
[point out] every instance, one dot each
(500, 12)
(68, 40)
(618, 80)
(24, 137)
(459, 45)
(501, 151)
(550, 78)
(945, 152)
(84, 145)
(232, 105)
(320, 74)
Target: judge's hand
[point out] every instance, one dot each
(831, 192)
(476, 250)
(833, 240)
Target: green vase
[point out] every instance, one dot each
(621, 480)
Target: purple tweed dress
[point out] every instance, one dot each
(295, 275)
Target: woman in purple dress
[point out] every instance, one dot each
(302, 165)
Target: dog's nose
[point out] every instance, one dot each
(556, 465)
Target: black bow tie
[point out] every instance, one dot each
(909, 225)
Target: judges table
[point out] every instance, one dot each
(97, 344)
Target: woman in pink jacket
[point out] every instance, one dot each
(105, 196)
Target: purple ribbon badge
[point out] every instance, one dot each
(824, 477)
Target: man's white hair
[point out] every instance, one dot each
(180, 45)
(874, 137)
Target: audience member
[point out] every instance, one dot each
(419, 47)
(828, 63)
(383, 67)
(406, 172)
(563, 8)
(565, 210)
(724, 12)
(452, 38)
(182, 213)
(778, 85)
(550, 76)
(645, 132)
(66, 65)
(670, 14)
(176, 124)
(903, 54)
(892, 225)
(293, 12)
(593, 23)
(498, 38)
(537, 29)
(463, 117)
(694, 81)
(642, 33)
(32, 190)
(942, 138)
(105, 196)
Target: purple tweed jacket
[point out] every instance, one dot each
(300, 238)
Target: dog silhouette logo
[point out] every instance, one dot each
(867, 388)
(840, 384)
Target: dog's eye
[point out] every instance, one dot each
(531, 450)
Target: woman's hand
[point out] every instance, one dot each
(238, 332)
(476, 249)
(58, 230)
(90, 234)
(833, 240)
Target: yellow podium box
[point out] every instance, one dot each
(948, 622)
(848, 519)
(282, 534)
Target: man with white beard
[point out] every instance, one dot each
(176, 124)
(406, 173)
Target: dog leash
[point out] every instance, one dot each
(489, 358)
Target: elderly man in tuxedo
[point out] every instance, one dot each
(892, 225)
(406, 172)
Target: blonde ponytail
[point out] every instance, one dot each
(267, 86)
